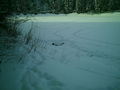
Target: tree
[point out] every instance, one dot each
(58, 6)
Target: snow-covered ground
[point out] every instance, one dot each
(68, 54)
(73, 17)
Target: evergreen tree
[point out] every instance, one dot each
(58, 6)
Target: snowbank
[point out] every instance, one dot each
(73, 17)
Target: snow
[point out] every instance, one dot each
(73, 17)
(88, 60)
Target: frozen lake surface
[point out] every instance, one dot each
(66, 56)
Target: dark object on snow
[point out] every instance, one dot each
(0, 62)
(57, 44)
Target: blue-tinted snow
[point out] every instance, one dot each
(88, 60)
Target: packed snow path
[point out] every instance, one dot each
(71, 56)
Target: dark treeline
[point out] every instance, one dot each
(58, 6)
